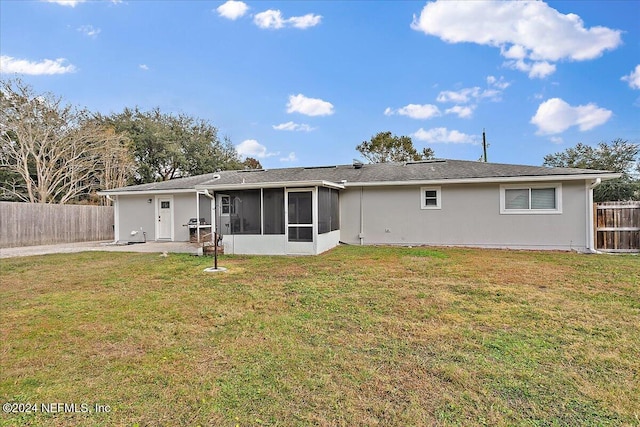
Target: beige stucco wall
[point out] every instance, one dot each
(469, 216)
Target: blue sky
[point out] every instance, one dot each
(300, 83)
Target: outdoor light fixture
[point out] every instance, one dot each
(148, 200)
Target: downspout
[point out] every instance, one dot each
(361, 234)
(590, 225)
(197, 217)
(213, 213)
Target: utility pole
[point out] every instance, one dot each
(484, 146)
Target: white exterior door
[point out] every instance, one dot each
(165, 218)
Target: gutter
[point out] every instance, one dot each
(206, 193)
(145, 192)
(275, 184)
(495, 179)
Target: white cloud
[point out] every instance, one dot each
(144, 67)
(89, 31)
(463, 112)
(309, 106)
(443, 135)
(10, 65)
(290, 158)
(633, 78)
(539, 69)
(415, 111)
(273, 20)
(461, 96)
(232, 9)
(556, 139)
(475, 94)
(269, 19)
(466, 95)
(252, 148)
(70, 3)
(291, 126)
(306, 21)
(555, 116)
(468, 98)
(497, 83)
(531, 31)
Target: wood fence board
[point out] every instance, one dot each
(617, 226)
(25, 224)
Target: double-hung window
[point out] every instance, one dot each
(430, 198)
(531, 199)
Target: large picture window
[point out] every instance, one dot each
(531, 199)
(328, 210)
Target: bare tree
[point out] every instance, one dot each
(49, 152)
(116, 165)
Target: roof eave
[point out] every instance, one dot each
(343, 185)
(144, 192)
(499, 179)
(279, 184)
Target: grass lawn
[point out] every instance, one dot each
(356, 336)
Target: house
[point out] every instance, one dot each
(308, 210)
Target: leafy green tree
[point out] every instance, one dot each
(618, 156)
(167, 146)
(385, 147)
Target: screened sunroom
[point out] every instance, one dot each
(276, 219)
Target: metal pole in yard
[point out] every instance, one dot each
(215, 250)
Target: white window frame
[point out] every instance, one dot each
(438, 191)
(228, 204)
(504, 211)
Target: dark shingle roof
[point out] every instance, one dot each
(436, 170)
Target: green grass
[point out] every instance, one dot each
(356, 336)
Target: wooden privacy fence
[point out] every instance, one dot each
(617, 226)
(25, 224)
